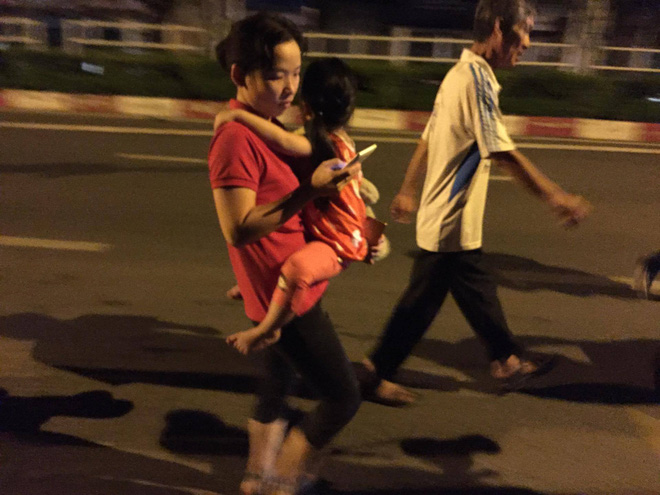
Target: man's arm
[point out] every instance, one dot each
(243, 221)
(570, 208)
(406, 202)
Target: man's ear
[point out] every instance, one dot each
(237, 75)
(497, 28)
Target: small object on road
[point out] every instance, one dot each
(646, 272)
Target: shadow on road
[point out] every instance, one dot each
(120, 349)
(24, 416)
(455, 473)
(607, 372)
(200, 433)
(58, 170)
(525, 274)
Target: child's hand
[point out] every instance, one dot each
(380, 251)
(223, 117)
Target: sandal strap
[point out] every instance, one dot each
(282, 485)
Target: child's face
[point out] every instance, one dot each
(271, 92)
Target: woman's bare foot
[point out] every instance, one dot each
(254, 339)
(265, 441)
(292, 463)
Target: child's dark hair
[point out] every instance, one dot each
(251, 42)
(328, 90)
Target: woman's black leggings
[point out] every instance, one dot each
(310, 347)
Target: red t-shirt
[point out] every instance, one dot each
(239, 158)
(340, 224)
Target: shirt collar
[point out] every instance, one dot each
(469, 56)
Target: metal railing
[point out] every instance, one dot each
(398, 49)
(77, 35)
(23, 31)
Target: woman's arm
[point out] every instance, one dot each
(277, 138)
(243, 221)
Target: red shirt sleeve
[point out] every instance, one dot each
(233, 158)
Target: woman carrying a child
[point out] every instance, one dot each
(258, 200)
(336, 226)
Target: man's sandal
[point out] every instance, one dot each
(521, 378)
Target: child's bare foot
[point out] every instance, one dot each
(234, 293)
(253, 339)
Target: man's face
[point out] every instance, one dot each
(513, 44)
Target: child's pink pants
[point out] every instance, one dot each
(306, 273)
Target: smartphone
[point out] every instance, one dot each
(360, 157)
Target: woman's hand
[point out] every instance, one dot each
(332, 175)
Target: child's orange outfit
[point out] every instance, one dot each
(338, 233)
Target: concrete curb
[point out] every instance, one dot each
(387, 120)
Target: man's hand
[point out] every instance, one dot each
(403, 207)
(329, 178)
(571, 209)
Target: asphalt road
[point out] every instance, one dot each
(114, 377)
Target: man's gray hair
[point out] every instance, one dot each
(510, 12)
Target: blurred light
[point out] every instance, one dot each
(4, 46)
(654, 99)
(92, 68)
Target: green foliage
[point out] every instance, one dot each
(526, 90)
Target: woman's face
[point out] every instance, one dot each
(271, 92)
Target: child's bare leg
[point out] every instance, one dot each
(268, 331)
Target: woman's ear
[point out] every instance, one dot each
(237, 76)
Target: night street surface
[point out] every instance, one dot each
(114, 374)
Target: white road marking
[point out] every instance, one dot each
(182, 489)
(104, 128)
(584, 147)
(647, 426)
(32, 242)
(383, 139)
(629, 281)
(164, 158)
(181, 159)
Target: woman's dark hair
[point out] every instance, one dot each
(251, 42)
(511, 12)
(328, 89)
